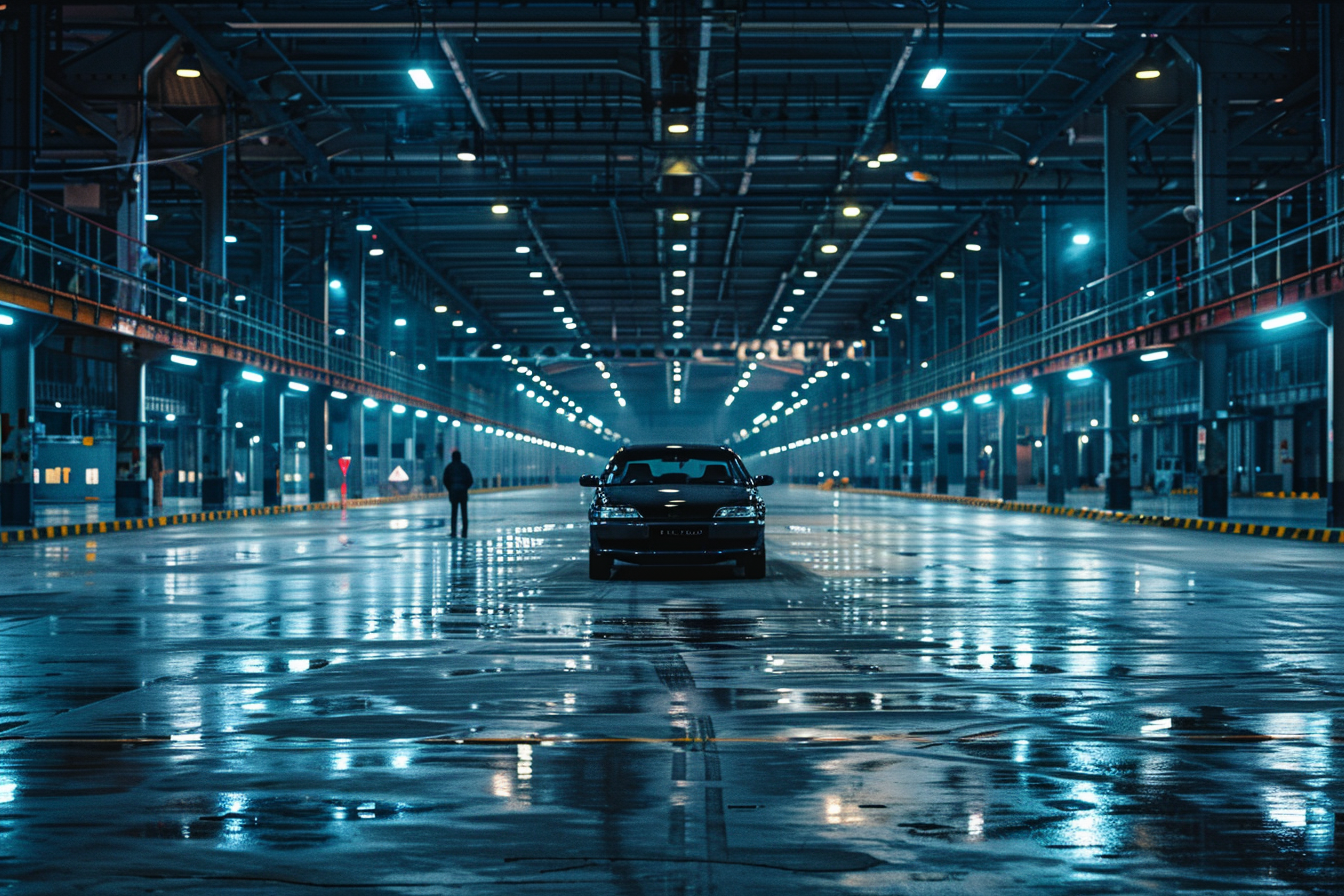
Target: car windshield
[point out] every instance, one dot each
(675, 468)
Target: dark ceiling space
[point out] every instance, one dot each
(675, 173)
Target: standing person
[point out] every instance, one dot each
(457, 479)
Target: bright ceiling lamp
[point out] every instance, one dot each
(851, 211)
(1022, 389)
(950, 406)
(681, 216)
(420, 78)
(678, 128)
(830, 249)
(983, 398)
(1082, 239)
(464, 152)
(1283, 320)
(934, 78)
(973, 247)
(363, 228)
(887, 153)
(1150, 357)
(1082, 373)
(188, 66)
(499, 209)
(948, 275)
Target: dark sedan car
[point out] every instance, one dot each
(673, 505)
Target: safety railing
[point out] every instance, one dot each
(62, 251)
(1269, 244)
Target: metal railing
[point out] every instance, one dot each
(1270, 244)
(61, 251)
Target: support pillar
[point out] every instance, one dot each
(1116, 173)
(1211, 441)
(131, 149)
(214, 437)
(1054, 442)
(1334, 503)
(970, 450)
(319, 435)
(894, 460)
(1008, 446)
(17, 414)
(1117, 421)
(272, 440)
(384, 446)
(132, 488)
(916, 435)
(941, 435)
(354, 447)
(215, 196)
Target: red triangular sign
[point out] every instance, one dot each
(345, 464)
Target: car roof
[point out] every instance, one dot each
(689, 449)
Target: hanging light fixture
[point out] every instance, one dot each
(189, 66)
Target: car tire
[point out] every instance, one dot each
(599, 568)
(755, 565)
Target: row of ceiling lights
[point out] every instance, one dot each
(615, 387)
(677, 376)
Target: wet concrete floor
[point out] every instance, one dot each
(919, 698)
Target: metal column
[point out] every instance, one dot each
(215, 195)
(1054, 442)
(1334, 504)
(970, 454)
(132, 488)
(354, 446)
(916, 436)
(384, 445)
(1007, 446)
(17, 414)
(319, 435)
(1117, 441)
(272, 441)
(1116, 172)
(1211, 443)
(942, 432)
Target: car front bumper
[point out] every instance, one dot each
(639, 542)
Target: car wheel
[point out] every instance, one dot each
(755, 565)
(599, 567)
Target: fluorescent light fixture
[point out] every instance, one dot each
(240, 298)
(398, 408)
(335, 284)
(548, 292)
(340, 331)
(896, 315)
(681, 216)
(375, 252)
(471, 331)
(535, 275)
(1155, 356)
(1081, 239)
(1283, 320)
(181, 298)
(169, 417)
(559, 309)
(1022, 389)
(150, 216)
(440, 309)
(1147, 71)
(900, 418)
(421, 414)
(678, 128)
(499, 209)
(252, 376)
(851, 211)
(442, 419)
(983, 398)
(339, 395)
(459, 322)
(678, 247)
(1082, 373)
(809, 274)
(230, 239)
(370, 403)
(466, 155)
(399, 322)
(184, 360)
(934, 78)
(950, 406)
(830, 249)
(364, 228)
(6, 320)
(948, 275)
(874, 163)
(973, 247)
(926, 412)
(421, 78)
(298, 387)
(800, 292)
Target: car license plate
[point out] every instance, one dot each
(679, 532)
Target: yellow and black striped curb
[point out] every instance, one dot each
(46, 533)
(1297, 533)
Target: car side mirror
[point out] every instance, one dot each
(763, 480)
(588, 480)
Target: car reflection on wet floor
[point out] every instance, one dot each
(917, 698)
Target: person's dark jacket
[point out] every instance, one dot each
(457, 479)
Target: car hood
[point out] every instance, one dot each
(677, 502)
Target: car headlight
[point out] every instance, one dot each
(735, 513)
(616, 512)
